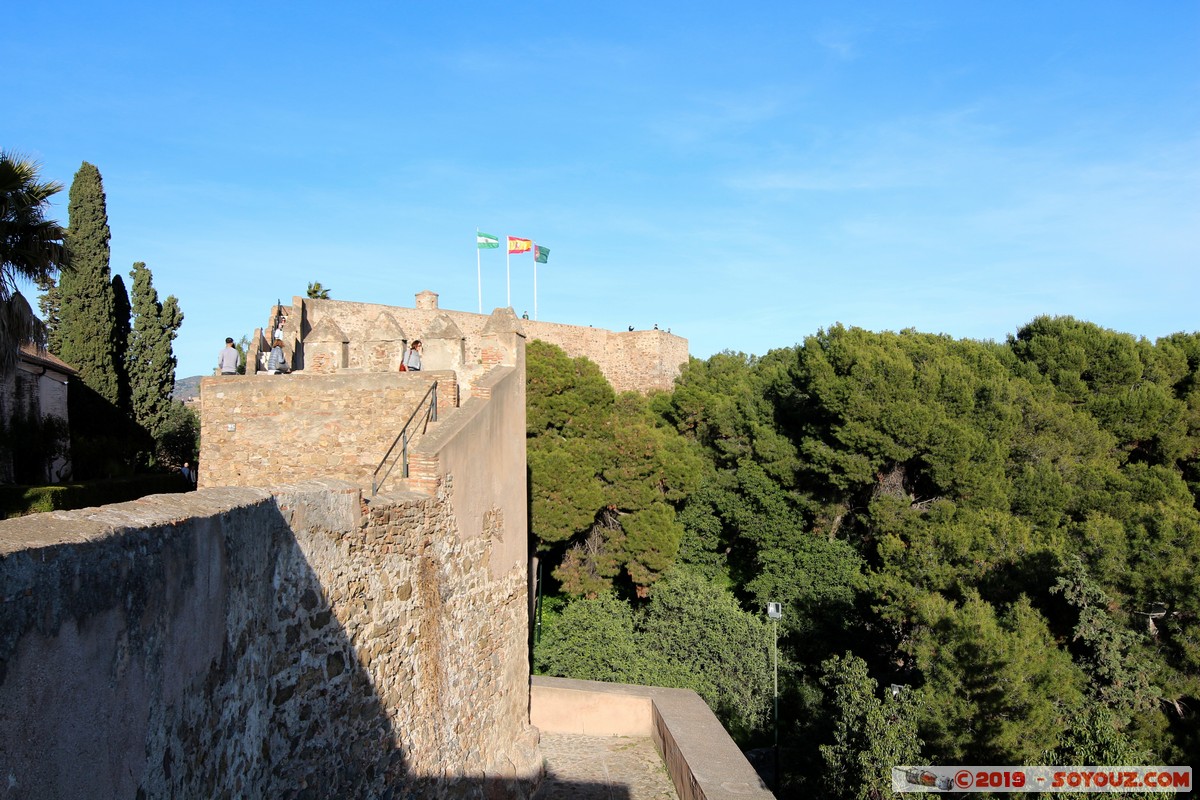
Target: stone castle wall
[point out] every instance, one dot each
(305, 640)
(262, 430)
(631, 360)
(250, 643)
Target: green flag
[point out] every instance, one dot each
(486, 241)
(541, 254)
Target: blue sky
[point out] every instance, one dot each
(743, 173)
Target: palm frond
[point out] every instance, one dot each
(31, 246)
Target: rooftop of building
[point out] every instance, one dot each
(39, 356)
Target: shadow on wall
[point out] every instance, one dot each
(184, 646)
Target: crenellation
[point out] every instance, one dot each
(641, 361)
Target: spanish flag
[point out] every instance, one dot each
(516, 245)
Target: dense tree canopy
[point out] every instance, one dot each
(870, 734)
(606, 476)
(692, 634)
(1006, 533)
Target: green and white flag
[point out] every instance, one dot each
(541, 254)
(486, 241)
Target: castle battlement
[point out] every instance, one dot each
(340, 335)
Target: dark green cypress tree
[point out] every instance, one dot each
(150, 358)
(122, 313)
(50, 306)
(87, 314)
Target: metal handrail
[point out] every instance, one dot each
(402, 439)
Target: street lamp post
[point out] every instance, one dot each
(775, 612)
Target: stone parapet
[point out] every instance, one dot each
(483, 444)
(242, 642)
(703, 762)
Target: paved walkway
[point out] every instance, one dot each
(603, 768)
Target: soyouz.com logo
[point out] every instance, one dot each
(1041, 779)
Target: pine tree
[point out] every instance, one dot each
(151, 361)
(87, 314)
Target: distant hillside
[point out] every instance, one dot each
(186, 388)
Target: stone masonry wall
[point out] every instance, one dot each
(262, 430)
(300, 641)
(631, 360)
(235, 642)
(453, 448)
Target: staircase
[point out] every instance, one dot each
(418, 422)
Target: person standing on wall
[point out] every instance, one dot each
(227, 361)
(412, 360)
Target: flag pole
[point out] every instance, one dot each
(508, 270)
(535, 281)
(478, 271)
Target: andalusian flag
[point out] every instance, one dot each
(483, 241)
(516, 245)
(541, 254)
